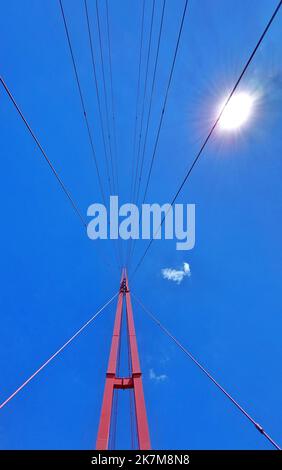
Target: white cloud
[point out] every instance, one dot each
(157, 378)
(176, 275)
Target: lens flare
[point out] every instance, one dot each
(237, 111)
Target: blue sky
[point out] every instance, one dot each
(53, 278)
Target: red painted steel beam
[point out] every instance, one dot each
(114, 382)
(103, 435)
(123, 383)
(140, 407)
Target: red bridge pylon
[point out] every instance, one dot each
(115, 382)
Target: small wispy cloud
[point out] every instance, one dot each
(157, 378)
(177, 275)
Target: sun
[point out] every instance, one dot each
(237, 111)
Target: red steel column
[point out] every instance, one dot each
(140, 408)
(103, 435)
(112, 381)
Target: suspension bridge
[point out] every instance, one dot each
(125, 262)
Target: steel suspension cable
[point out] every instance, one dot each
(24, 384)
(163, 107)
(206, 372)
(118, 255)
(137, 97)
(211, 130)
(98, 96)
(150, 109)
(108, 165)
(82, 102)
(138, 180)
(153, 85)
(112, 93)
(113, 117)
(47, 159)
(54, 171)
(166, 96)
(105, 93)
(136, 118)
